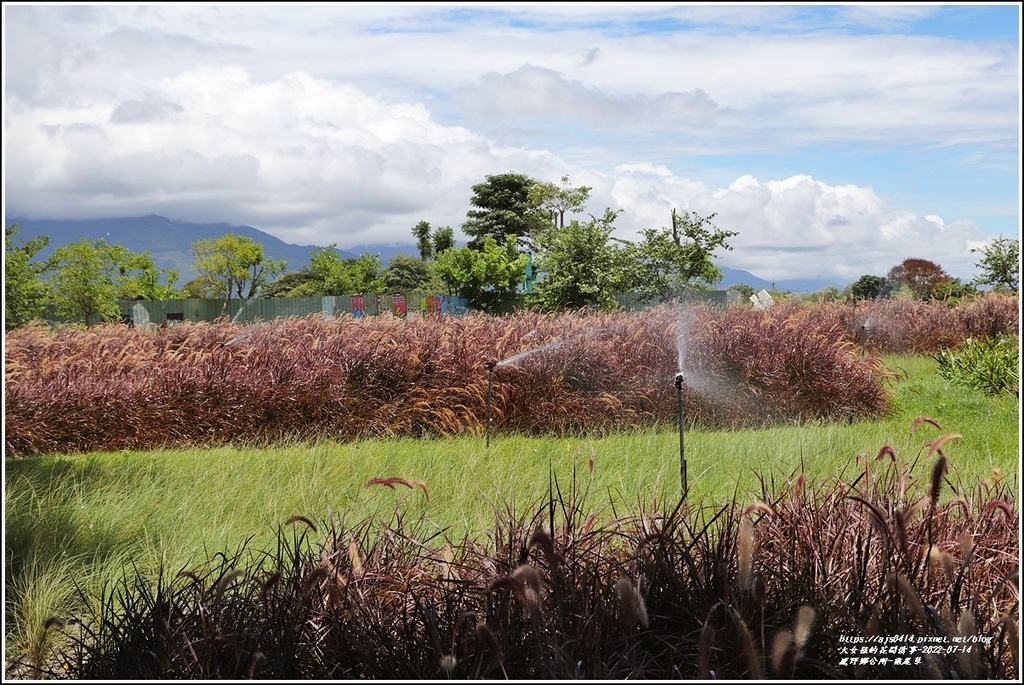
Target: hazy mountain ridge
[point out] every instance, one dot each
(169, 243)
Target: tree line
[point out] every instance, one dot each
(526, 248)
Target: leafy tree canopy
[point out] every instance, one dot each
(920, 276)
(582, 265)
(25, 291)
(670, 260)
(504, 204)
(487, 278)
(235, 264)
(421, 232)
(1000, 264)
(556, 200)
(303, 283)
(405, 273)
(868, 287)
(89, 277)
(443, 239)
(361, 275)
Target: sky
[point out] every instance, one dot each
(836, 140)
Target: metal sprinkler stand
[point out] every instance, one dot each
(490, 377)
(682, 447)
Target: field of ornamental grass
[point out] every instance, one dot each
(203, 385)
(315, 498)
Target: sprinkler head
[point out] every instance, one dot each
(679, 380)
(490, 365)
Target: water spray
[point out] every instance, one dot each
(490, 378)
(682, 447)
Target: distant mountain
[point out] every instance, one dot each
(169, 244)
(806, 285)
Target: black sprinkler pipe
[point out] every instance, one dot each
(490, 377)
(682, 446)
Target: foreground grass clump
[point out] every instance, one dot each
(81, 519)
(790, 584)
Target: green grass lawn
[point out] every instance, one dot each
(72, 518)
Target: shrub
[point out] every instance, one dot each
(991, 365)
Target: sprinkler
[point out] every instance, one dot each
(682, 449)
(490, 377)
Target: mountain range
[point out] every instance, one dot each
(169, 243)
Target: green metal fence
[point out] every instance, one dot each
(401, 305)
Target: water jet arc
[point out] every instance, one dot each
(490, 379)
(682, 445)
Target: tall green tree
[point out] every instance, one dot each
(556, 200)
(339, 276)
(405, 273)
(25, 291)
(89, 277)
(504, 204)
(421, 232)
(668, 261)
(443, 239)
(487, 278)
(868, 287)
(1000, 264)
(328, 273)
(141, 280)
(582, 265)
(235, 264)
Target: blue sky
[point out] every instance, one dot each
(834, 139)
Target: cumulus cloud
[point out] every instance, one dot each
(798, 227)
(143, 112)
(297, 155)
(533, 92)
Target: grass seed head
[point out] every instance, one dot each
(258, 661)
(966, 546)
(783, 653)
(485, 635)
(541, 538)
(906, 590)
(968, 660)
(707, 639)
(1013, 638)
(529, 576)
(227, 579)
(938, 471)
(802, 627)
(632, 609)
(746, 553)
(355, 559)
(945, 562)
(749, 648)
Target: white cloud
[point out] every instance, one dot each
(350, 123)
(532, 92)
(797, 227)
